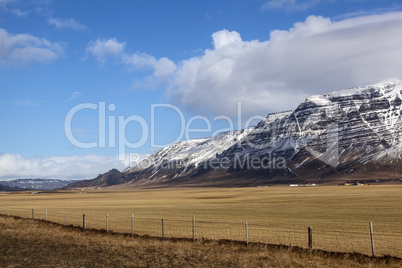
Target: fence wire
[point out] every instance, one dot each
(354, 238)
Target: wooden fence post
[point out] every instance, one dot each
(132, 224)
(64, 219)
(246, 233)
(193, 228)
(32, 213)
(163, 232)
(83, 222)
(46, 215)
(310, 238)
(372, 239)
(8, 215)
(107, 223)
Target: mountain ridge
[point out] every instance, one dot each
(36, 183)
(355, 132)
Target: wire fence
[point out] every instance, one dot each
(356, 237)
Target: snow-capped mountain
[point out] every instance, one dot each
(36, 184)
(354, 133)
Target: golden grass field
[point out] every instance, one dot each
(27, 243)
(339, 215)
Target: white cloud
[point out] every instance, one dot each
(23, 48)
(103, 49)
(75, 95)
(368, 12)
(291, 5)
(18, 12)
(138, 60)
(65, 167)
(15, 11)
(162, 68)
(316, 56)
(225, 38)
(67, 24)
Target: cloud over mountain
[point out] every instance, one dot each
(315, 56)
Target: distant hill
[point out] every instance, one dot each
(10, 189)
(37, 184)
(112, 177)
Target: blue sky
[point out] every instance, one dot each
(194, 60)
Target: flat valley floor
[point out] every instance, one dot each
(339, 217)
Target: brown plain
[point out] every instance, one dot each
(339, 216)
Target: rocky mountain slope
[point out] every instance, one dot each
(10, 189)
(112, 177)
(354, 133)
(36, 184)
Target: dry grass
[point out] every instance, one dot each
(27, 243)
(278, 215)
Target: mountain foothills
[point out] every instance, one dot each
(352, 134)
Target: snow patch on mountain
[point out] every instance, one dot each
(354, 126)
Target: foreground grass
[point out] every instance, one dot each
(339, 216)
(27, 243)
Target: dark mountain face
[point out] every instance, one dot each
(353, 133)
(10, 189)
(112, 177)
